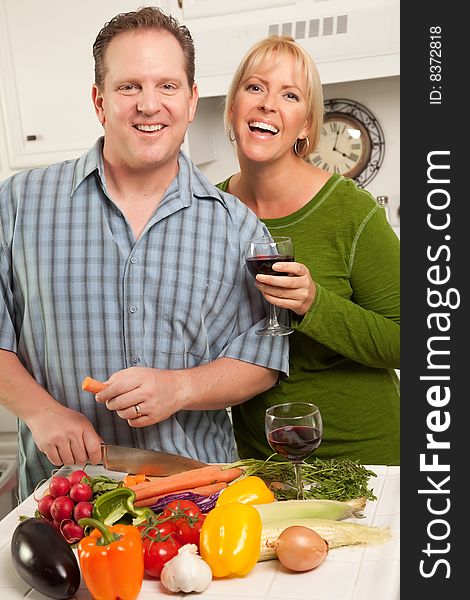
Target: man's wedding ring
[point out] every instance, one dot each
(137, 410)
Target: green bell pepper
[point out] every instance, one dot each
(112, 506)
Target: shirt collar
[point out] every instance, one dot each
(189, 181)
(87, 163)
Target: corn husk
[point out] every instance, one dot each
(306, 509)
(335, 533)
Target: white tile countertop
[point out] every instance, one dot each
(349, 573)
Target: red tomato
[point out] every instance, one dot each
(175, 507)
(188, 530)
(159, 546)
(188, 520)
(151, 531)
(156, 554)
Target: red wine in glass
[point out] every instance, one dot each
(295, 442)
(262, 265)
(260, 255)
(294, 430)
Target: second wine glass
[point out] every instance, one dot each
(261, 254)
(294, 430)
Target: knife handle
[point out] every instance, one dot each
(92, 385)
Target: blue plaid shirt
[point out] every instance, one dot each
(80, 296)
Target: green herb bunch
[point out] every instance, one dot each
(331, 479)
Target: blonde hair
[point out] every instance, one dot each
(282, 46)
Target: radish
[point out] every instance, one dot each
(81, 492)
(44, 506)
(82, 510)
(77, 476)
(59, 486)
(71, 531)
(62, 508)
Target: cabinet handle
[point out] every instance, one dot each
(31, 138)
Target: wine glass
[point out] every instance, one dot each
(261, 254)
(294, 430)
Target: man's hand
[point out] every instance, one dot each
(65, 436)
(142, 396)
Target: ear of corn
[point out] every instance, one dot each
(306, 509)
(335, 533)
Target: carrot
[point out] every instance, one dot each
(92, 385)
(186, 480)
(208, 490)
(131, 480)
(205, 490)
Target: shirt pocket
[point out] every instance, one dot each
(197, 318)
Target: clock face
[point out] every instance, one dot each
(344, 146)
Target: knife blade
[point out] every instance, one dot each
(150, 462)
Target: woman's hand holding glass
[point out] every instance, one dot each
(295, 292)
(261, 254)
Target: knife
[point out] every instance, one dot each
(150, 462)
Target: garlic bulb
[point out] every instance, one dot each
(186, 572)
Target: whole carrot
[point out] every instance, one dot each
(205, 490)
(187, 479)
(92, 385)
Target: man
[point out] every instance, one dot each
(127, 265)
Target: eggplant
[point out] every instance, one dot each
(44, 559)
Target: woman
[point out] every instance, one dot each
(343, 290)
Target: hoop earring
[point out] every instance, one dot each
(304, 150)
(230, 133)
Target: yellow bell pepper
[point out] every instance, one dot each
(249, 490)
(230, 539)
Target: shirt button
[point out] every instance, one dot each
(119, 213)
(135, 359)
(133, 260)
(132, 309)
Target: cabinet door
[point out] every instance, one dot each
(46, 69)
(192, 9)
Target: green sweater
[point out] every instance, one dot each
(344, 351)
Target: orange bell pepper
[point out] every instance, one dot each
(111, 561)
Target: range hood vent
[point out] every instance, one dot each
(311, 28)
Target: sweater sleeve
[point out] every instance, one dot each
(366, 326)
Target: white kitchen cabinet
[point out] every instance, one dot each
(194, 9)
(46, 69)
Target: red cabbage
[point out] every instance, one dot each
(205, 503)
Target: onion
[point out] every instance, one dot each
(300, 549)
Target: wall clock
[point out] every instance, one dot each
(351, 141)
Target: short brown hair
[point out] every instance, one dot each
(148, 17)
(283, 46)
